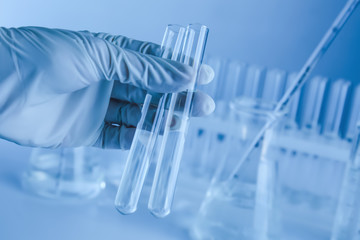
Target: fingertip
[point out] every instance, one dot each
(209, 106)
(203, 105)
(206, 74)
(115, 137)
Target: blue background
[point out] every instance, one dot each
(273, 33)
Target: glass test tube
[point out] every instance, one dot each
(138, 160)
(178, 111)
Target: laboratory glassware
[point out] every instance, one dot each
(67, 173)
(292, 190)
(354, 115)
(138, 160)
(335, 107)
(113, 164)
(310, 179)
(347, 218)
(173, 139)
(248, 113)
(303, 75)
(167, 130)
(213, 135)
(299, 183)
(312, 103)
(229, 213)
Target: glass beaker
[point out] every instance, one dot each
(64, 173)
(230, 209)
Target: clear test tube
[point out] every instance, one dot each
(354, 114)
(335, 107)
(254, 82)
(294, 104)
(314, 99)
(138, 160)
(274, 86)
(173, 139)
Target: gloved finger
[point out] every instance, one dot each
(123, 113)
(155, 74)
(115, 137)
(131, 44)
(129, 93)
(149, 72)
(206, 74)
(145, 71)
(202, 104)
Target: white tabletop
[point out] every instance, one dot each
(26, 216)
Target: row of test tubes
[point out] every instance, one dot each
(329, 107)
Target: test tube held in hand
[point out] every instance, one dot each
(178, 111)
(147, 129)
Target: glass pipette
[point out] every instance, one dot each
(179, 110)
(147, 129)
(302, 76)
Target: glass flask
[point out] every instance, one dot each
(64, 173)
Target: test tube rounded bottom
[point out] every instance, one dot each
(163, 188)
(125, 209)
(160, 212)
(134, 174)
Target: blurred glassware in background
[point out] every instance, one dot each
(299, 179)
(253, 95)
(112, 161)
(317, 126)
(65, 173)
(347, 218)
(222, 200)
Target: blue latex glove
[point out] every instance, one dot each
(67, 88)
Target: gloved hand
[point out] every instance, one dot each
(67, 88)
